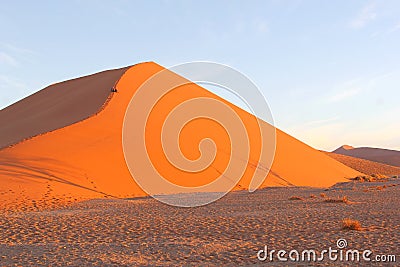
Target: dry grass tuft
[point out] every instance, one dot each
(323, 195)
(349, 224)
(313, 196)
(296, 198)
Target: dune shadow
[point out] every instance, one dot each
(32, 169)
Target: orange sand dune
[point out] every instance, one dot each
(385, 156)
(85, 159)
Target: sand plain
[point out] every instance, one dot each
(229, 232)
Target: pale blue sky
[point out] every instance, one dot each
(329, 69)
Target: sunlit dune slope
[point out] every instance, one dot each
(85, 159)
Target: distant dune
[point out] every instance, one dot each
(67, 144)
(385, 156)
(365, 166)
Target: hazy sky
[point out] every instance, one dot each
(329, 69)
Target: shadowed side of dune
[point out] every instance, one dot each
(385, 156)
(365, 166)
(32, 183)
(56, 106)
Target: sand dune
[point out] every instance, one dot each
(56, 106)
(385, 156)
(365, 166)
(84, 159)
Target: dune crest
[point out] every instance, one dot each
(56, 106)
(347, 147)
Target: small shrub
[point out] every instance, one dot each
(337, 200)
(323, 195)
(295, 198)
(363, 178)
(370, 178)
(313, 196)
(349, 224)
(359, 178)
(379, 177)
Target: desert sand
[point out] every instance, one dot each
(229, 232)
(83, 158)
